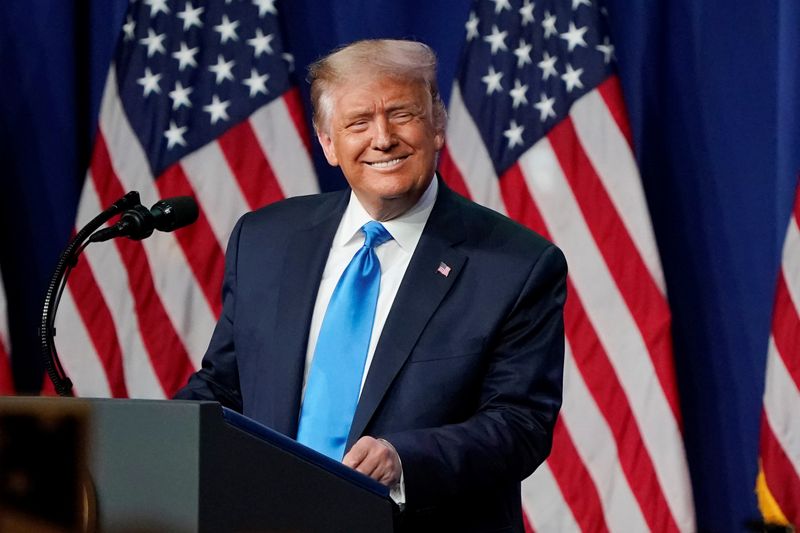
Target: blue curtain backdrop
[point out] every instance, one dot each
(712, 89)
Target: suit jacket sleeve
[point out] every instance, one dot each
(510, 433)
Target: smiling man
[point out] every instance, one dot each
(397, 327)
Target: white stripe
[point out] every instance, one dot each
(216, 188)
(614, 324)
(112, 280)
(190, 313)
(544, 504)
(597, 448)
(287, 155)
(791, 262)
(612, 158)
(470, 155)
(3, 317)
(782, 405)
(77, 353)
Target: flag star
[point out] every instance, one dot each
(218, 110)
(527, 12)
(227, 29)
(180, 96)
(265, 6)
(472, 26)
(289, 58)
(574, 36)
(261, 42)
(174, 135)
(577, 3)
(549, 25)
(497, 40)
(492, 81)
(129, 27)
(607, 49)
(500, 5)
(572, 78)
(518, 94)
(257, 84)
(150, 82)
(545, 107)
(548, 66)
(153, 42)
(223, 69)
(157, 6)
(185, 57)
(514, 134)
(523, 53)
(191, 16)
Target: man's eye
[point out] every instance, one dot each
(402, 117)
(358, 125)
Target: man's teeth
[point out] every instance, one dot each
(384, 164)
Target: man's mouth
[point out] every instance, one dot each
(387, 164)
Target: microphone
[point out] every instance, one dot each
(139, 222)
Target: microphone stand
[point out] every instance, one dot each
(67, 261)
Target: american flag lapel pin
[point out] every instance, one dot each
(443, 269)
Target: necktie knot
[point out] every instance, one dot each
(375, 234)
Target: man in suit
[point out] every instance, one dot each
(456, 376)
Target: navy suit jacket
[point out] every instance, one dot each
(466, 377)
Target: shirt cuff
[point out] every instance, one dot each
(398, 492)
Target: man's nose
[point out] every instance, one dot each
(384, 137)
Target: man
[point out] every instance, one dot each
(457, 372)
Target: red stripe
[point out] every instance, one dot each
(796, 210)
(782, 479)
(527, 523)
(100, 325)
(167, 353)
(294, 103)
(451, 174)
(200, 246)
(575, 482)
(6, 377)
(597, 372)
(647, 304)
(786, 329)
(611, 91)
(250, 166)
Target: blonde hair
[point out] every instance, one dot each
(394, 58)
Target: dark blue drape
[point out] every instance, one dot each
(712, 89)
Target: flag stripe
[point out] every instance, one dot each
(543, 503)
(647, 306)
(100, 325)
(6, 376)
(451, 173)
(786, 330)
(781, 405)
(165, 347)
(200, 246)
(274, 125)
(249, 166)
(611, 91)
(598, 374)
(112, 281)
(294, 104)
(575, 482)
(78, 351)
(780, 473)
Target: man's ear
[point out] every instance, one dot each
(327, 146)
(438, 140)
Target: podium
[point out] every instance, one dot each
(180, 466)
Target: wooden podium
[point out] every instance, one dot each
(179, 466)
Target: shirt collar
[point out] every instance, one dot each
(405, 229)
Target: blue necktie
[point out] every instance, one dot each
(334, 381)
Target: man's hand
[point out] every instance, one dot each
(376, 459)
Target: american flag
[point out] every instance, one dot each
(538, 131)
(6, 378)
(198, 101)
(778, 484)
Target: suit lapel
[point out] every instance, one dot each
(420, 293)
(306, 255)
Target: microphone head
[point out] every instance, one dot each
(173, 213)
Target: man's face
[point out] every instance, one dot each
(381, 134)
